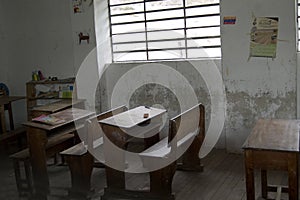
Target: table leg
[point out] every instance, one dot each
(2, 118)
(37, 140)
(161, 181)
(10, 115)
(250, 187)
(293, 175)
(264, 184)
(114, 157)
(81, 168)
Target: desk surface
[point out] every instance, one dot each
(69, 115)
(274, 134)
(132, 117)
(57, 106)
(8, 99)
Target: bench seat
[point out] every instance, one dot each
(55, 145)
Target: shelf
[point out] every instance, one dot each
(56, 90)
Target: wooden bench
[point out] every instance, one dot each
(18, 135)
(186, 134)
(79, 157)
(55, 145)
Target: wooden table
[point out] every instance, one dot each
(7, 100)
(38, 134)
(272, 145)
(120, 129)
(56, 107)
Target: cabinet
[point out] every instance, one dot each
(45, 97)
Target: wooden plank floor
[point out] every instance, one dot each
(222, 179)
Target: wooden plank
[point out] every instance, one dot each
(8, 99)
(57, 106)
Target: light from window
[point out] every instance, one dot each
(164, 29)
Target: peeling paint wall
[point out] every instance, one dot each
(255, 88)
(258, 87)
(153, 94)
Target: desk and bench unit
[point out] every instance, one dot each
(39, 136)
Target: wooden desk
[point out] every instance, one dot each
(7, 100)
(120, 129)
(55, 107)
(272, 145)
(37, 134)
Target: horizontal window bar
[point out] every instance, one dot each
(171, 29)
(163, 40)
(165, 19)
(161, 10)
(125, 4)
(166, 49)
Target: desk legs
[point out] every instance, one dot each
(10, 115)
(293, 175)
(37, 140)
(2, 119)
(249, 171)
(265, 160)
(81, 168)
(264, 184)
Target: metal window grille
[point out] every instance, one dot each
(164, 29)
(298, 24)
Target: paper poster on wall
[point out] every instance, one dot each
(264, 37)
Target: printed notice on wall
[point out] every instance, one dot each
(264, 37)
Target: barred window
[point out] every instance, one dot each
(164, 29)
(298, 23)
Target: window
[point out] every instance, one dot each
(164, 29)
(298, 23)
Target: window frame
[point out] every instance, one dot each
(185, 38)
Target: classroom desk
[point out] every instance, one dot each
(7, 100)
(56, 107)
(272, 145)
(38, 134)
(120, 129)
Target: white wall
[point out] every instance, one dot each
(260, 87)
(39, 34)
(35, 35)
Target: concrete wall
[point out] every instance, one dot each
(255, 88)
(259, 87)
(168, 84)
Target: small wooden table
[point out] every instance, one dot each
(37, 135)
(272, 145)
(7, 100)
(120, 129)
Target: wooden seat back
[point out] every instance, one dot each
(186, 134)
(94, 132)
(184, 127)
